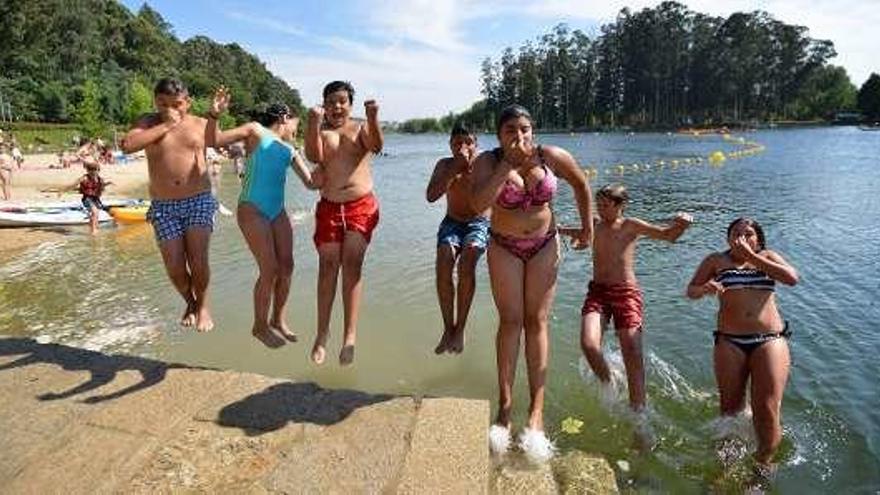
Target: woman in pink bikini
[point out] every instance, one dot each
(519, 179)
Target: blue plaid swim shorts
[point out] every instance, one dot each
(172, 217)
(472, 233)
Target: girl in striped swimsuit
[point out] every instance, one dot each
(751, 340)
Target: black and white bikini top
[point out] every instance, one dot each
(745, 278)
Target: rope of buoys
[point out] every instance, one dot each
(716, 158)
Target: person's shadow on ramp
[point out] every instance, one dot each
(101, 367)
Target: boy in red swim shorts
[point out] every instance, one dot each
(614, 291)
(348, 210)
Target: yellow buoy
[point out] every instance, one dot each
(717, 157)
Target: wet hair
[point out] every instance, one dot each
(460, 129)
(753, 224)
(615, 192)
(335, 86)
(170, 86)
(511, 112)
(273, 114)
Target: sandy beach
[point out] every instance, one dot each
(129, 181)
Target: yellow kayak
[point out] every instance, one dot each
(130, 214)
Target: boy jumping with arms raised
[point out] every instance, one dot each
(614, 291)
(462, 236)
(348, 211)
(182, 207)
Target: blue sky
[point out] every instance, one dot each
(422, 57)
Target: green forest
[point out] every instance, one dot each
(94, 63)
(665, 67)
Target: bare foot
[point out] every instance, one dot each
(267, 337)
(204, 323)
(456, 343)
(443, 346)
(346, 355)
(318, 353)
(281, 327)
(189, 316)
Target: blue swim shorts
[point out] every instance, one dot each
(473, 233)
(89, 201)
(172, 217)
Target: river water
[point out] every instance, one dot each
(813, 190)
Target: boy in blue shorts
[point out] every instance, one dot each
(461, 238)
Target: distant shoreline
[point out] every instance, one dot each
(779, 124)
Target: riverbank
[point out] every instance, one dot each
(28, 184)
(77, 421)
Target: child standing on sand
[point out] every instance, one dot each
(348, 211)
(614, 291)
(182, 208)
(91, 186)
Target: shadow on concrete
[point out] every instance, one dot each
(102, 368)
(279, 404)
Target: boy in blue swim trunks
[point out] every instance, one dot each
(461, 238)
(182, 207)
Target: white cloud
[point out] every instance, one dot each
(406, 82)
(432, 23)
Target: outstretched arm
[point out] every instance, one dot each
(371, 134)
(669, 232)
(222, 138)
(313, 141)
(566, 167)
(61, 189)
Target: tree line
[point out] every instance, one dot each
(664, 67)
(94, 62)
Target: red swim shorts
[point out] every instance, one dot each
(333, 219)
(622, 301)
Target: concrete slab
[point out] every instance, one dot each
(362, 454)
(449, 450)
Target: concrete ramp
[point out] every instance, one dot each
(75, 421)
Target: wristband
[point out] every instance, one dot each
(213, 115)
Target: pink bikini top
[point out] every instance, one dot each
(512, 196)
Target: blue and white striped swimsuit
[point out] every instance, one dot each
(745, 278)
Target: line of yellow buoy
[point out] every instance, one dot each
(714, 159)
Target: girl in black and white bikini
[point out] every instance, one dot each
(751, 339)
